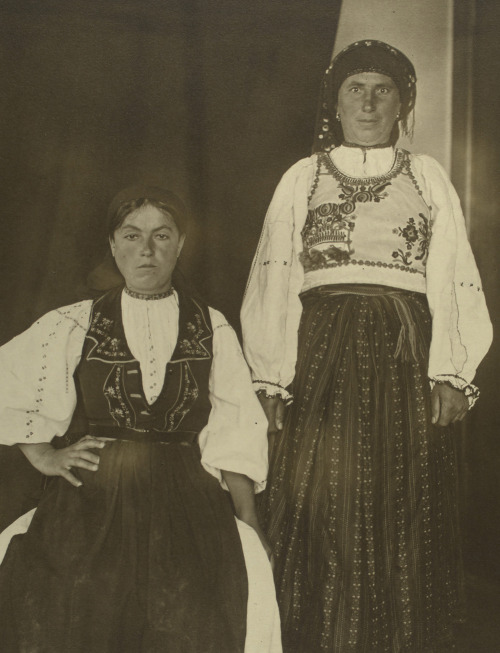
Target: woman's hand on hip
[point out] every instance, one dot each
(448, 405)
(59, 462)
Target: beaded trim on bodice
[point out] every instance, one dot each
(343, 211)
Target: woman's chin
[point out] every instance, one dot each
(149, 289)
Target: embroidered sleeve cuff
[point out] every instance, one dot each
(272, 390)
(471, 391)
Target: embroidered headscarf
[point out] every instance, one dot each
(367, 56)
(133, 197)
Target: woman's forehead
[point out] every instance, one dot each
(148, 216)
(366, 78)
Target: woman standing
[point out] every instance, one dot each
(134, 546)
(365, 304)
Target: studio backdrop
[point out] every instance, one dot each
(213, 99)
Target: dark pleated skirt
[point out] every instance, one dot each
(145, 557)
(362, 501)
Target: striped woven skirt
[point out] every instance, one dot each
(362, 502)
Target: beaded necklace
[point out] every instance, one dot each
(139, 295)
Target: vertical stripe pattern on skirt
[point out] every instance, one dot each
(361, 508)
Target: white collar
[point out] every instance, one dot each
(363, 162)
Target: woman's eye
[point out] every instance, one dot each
(130, 236)
(354, 89)
(384, 90)
(162, 236)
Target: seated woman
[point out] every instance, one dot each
(134, 546)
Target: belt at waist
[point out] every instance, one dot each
(356, 289)
(142, 435)
(406, 347)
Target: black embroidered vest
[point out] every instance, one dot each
(109, 377)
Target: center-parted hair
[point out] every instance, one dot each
(134, 197)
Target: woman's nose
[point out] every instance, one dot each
(147, 248)
(368, 101)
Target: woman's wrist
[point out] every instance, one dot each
(35, 452)
(457, 383)
(272, 390)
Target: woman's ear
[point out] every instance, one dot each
(112, 246)
(182, 238)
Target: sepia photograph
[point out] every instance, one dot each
(249, 296)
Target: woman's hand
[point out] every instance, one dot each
(448, 405)
(59, 462)
(274, 408)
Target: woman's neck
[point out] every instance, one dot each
(365, 148)
(149, 297)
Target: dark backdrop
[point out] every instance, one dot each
(482, 444)
(212, 98)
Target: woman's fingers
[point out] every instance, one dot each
(84, 455)
(89, 442)
(78, 455)
(71, 478)
(280, 414)
(81, 463)
(274, 408)
(435, 406)
(460, 416)
(447, 405)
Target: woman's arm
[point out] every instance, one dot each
(59, 462)
(461, 328)
(271, 308)
(242, 493)
(37, 391)
(234, 438)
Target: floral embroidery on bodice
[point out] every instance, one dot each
(379, 221)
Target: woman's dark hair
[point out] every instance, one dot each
(135, 197)
(116, 220)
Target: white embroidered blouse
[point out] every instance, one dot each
(38, 395)
(271, 311)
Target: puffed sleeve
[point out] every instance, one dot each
(37, 391)
(461, 327)
(235, 437)
(271, 309)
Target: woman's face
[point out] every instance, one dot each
(145, 248)
(368, 105)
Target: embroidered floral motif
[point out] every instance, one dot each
(106, 346)
(361, 193)
(189, 393)
(417, 237)
(191, 345)
(119, 408)
(333, 224)
(325, 224)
